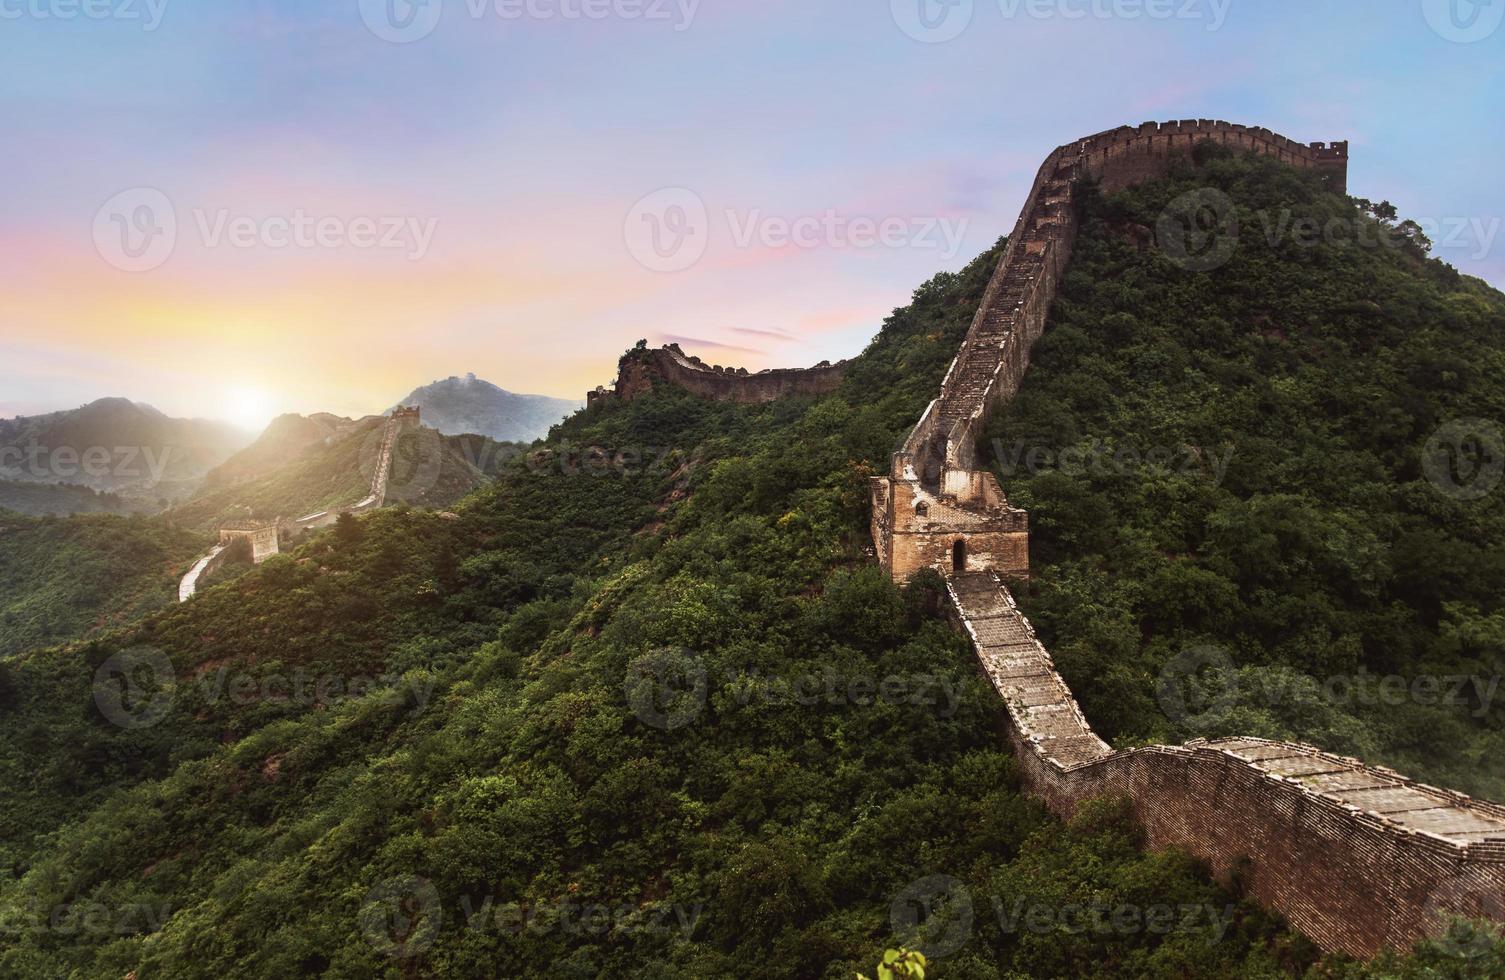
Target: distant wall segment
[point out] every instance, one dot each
(639, 370)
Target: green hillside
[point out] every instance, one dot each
(644, 706)
(430, 470)
(62, 578)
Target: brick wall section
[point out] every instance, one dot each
(639, 370)
(1357, 857)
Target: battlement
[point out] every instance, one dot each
(639, 369)
(408, 413)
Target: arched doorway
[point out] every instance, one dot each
(959, 556)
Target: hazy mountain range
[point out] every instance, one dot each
(460, 406)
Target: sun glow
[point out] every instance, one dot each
(246, 407)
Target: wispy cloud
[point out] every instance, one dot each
(671, 338)
(778, 335)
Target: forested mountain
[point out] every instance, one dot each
(650, 709)
(116, 445)
(64, 578)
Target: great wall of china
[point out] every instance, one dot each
(1357, 857)
(265, 536)
(639, 369)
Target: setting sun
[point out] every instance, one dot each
(247, 407)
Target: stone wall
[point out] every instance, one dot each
(640, 369)
(938, 458)
(1357, 857)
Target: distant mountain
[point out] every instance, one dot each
(116, 445)
(460, 406)
(286, 437)
(302, 465)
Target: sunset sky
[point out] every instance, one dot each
(504, 158)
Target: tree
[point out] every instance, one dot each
(347, 530)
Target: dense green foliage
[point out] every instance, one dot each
(62, 499)
(62, 578)
(1287, 529)
(626, 721)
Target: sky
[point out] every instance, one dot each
(239, 208)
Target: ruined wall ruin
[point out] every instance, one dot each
(640, 369)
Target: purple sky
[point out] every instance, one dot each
(524, 191)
